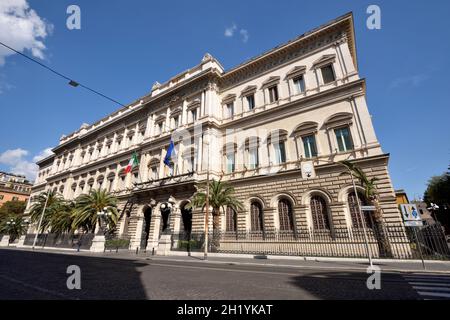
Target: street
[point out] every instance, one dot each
(42, 275)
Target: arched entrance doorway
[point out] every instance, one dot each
(186, 217)
(146, 229)
(165, 222)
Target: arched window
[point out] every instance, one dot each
(256, 217)
(230, 217)
(319, 212)
(354, 211)
(285, 215)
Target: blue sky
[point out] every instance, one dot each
(123, 47)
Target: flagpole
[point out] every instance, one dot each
(205, 253)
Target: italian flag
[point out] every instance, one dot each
(133, 163)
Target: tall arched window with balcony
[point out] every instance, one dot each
(305, 138)
(229, 152)
(252, 152)
(276, 142)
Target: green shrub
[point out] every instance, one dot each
(117, 243)
(184, 244)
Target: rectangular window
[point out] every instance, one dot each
(154, 173)
(251, 102)
(229, 110)
(328, 74)
(280, 152)
(344, 139)
(273, 94)
(189, 164)
(309, 144)
(15, 199)
(160, 128)
(1, 197)
(110, 185)
(299, 84)
(176, 121)
(230, 162)
(194, 114)
(253, 160)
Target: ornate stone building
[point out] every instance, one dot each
(274, 127)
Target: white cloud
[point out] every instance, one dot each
(410, 81)
(229, 32)
(10, 157)
(18, 164)
(22, 28)
(245, 35)
(43, 154)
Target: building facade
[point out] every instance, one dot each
(274, 127)
(13, 188)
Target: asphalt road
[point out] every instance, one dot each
(39, 275)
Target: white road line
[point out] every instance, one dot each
(432, 288)
(434, 294)
(426, 279)
(429, 283)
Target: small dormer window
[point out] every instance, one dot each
(328, 75)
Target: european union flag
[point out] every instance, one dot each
(170, 151)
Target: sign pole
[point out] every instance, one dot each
(420, 249)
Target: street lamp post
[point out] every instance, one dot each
(40, 220)
(104, 214)
(205, 252)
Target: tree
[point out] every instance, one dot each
(12, 208)
(221, 195)
(88, 205)
(55, 205)
(371, 194)
(14, 226)
(438, 192)
(61, 221)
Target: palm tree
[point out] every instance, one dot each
(55, 205)
(62, 220)
(87, 207)
(371, 193)
(221, 195)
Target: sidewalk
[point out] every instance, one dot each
(318, 263)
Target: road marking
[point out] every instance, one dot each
(432, 288)
(429, 286)
(27, 285)
(435, 294)
(427, 283)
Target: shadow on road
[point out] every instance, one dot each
(39, 275)
(353, 286)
